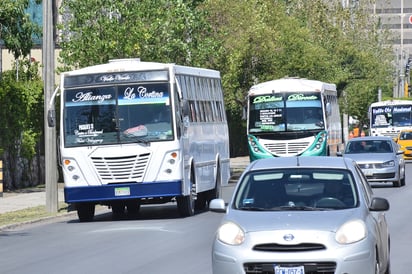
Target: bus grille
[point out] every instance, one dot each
(287, 149)
(121, 169)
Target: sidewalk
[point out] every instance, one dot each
(13, 201)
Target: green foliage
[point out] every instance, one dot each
(249, 41)
(160, 30)
(16, 28)
(21, 115)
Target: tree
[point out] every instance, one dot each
(21, 99)
(249, 41)
(21, 117)
(16, 28)
(161, 30)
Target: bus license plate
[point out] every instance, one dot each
(289, 270)
(122, 191)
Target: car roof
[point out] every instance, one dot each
(371, 138)
(302, 162)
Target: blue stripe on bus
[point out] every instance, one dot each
(107, 192)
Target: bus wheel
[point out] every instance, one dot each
(200, 202)
(133, 206)
(118, 209)
(215, 193)
(186, 204)
(85, 212)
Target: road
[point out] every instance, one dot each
(157, 241)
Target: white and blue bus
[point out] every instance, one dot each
(293, 116)
(388, 118)
(134, 133)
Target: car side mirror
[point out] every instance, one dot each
(379, 204)
(217, 205)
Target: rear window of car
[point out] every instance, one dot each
(284, 189)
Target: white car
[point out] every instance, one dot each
(379, 157)
(302, 215)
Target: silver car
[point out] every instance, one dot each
(302, 215)
(380, 159)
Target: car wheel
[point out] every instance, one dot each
(403, 180)
(398, 182)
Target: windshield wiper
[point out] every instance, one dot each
(253, 208)
(300, 208)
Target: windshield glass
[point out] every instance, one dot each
(368, 146)
(296, 189)
(117, 114)
(385, 116)
(285, 112)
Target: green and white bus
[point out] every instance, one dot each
(291, 117)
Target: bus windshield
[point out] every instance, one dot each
(115, 114)
(384, 116)
(285, 112)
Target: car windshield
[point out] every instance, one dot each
(405, 135)
(296, 189)
(369, 146)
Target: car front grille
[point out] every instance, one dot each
(381, 176)
(310, 268)
(370, 166)
(121, 169)
(272, 247)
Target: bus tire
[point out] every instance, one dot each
(118, 210)
(133, 206)
(186, 204)
(215, 192)
(85, 211)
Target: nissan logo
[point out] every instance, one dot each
(288, 237)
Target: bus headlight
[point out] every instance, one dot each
(169, 165)
(72, 171)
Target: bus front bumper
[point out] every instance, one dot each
(104, 193)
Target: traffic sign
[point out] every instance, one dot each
(410, 19)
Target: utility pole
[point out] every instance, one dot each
(49, 132)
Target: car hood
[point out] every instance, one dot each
(327, 220)
(405, 143)
(370, 157)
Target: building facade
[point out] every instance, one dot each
(396, 16)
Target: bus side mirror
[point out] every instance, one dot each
(328, 109)
(51, 117)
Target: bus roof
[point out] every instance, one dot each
(134, 64)
(391, 103)
(291, 84)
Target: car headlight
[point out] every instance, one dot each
(351, 232)
(389, 164)
(231, 234)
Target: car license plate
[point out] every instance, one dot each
(122, 191)
(289, 270)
